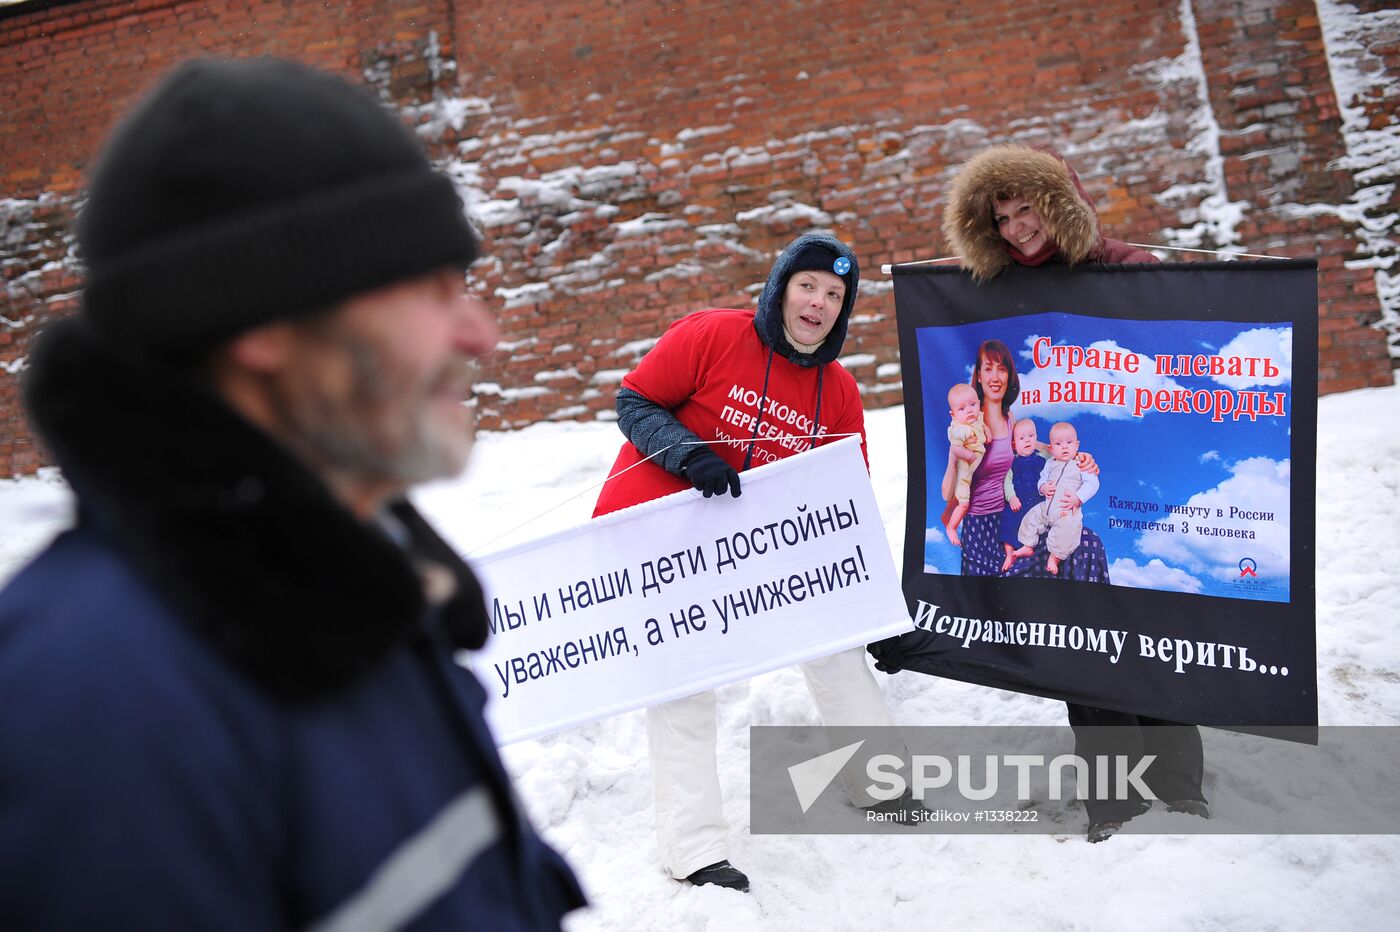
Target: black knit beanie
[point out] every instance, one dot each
(815, 256)
(242, 192)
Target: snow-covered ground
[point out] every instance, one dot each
(590, 789)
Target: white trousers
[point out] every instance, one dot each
(690, 825)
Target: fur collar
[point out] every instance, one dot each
(248, 547)
(1040, 176)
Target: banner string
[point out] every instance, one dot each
(606, 479)
(886, 269)
(1213, 252)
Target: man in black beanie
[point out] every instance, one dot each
(229, 695)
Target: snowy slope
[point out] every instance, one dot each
(590, 789)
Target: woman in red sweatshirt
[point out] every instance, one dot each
(724, 390)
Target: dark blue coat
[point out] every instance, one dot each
(192, 738)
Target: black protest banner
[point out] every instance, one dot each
(1170, 572)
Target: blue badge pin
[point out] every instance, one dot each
(841, 266)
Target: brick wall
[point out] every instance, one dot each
(631, 161)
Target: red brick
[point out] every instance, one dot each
(658, 72)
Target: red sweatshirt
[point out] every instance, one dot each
(707, 369)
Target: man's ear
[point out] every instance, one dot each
(264, 349)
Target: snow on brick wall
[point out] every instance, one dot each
(629, 162)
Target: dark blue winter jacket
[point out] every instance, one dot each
(225, 703)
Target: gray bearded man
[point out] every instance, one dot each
(229, 695)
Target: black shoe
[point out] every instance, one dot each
(721, 874)
(900, 811)
(1195, 807)
(1102, 831)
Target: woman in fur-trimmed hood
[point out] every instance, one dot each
(1013, 204)
(1022, 205)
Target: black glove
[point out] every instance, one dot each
(710, 474)
(888, 655)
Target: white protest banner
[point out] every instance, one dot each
(685, 594)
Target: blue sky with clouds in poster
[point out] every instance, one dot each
(1157, 458)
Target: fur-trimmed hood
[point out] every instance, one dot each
(768, 318)
(245, 544)
(1039, 175)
